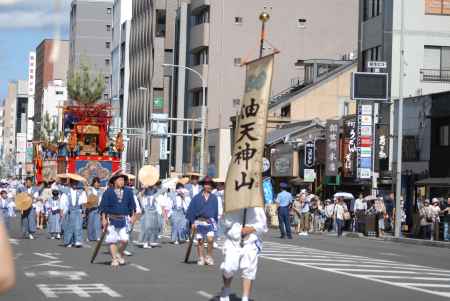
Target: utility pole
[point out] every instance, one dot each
(145, 154)
(398, 185)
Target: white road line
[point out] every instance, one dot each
(205, 294)
(443, 294)
(403, 277)
(140, 267)
(425, 284)
(14, 241)
(46, 255)
(390, 254)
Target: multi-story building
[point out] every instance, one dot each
(2, 129)
(426, 58)
(9, 141)
(91, 37)
(55, 96)
(151, 45)
(30, 109)
(215, 38)
(52, 59)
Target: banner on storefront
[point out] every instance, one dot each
(332, 138)
(310, 150)
(243, 187)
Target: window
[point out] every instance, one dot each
(200, 57)
(238, 20)
(197, 98)
(237, 61)
(371, 54)
(236, 102)
(108, 10)
(437, 7)
(444, 135)
(108, 27)
(212, 154)
(59, 92)
(160, 23)
(105, 96)
(108, 45)
(301, 23)
(107, 80)
(202, 17)
(372, 8)
(286, 111)
(436, 64)
(107, 61)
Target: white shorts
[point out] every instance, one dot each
(113, 236)
(39, 206)
(237, 258)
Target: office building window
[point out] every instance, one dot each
(238, 20)
(160, 23)
(436, 64)
(212, 154)
(59, 92)
(237, 61)
(444, 135)
(301, 23)
(108, 27)
(371, 54)
(106, 80)
(200, 57)
(286, 111)
(202, 17)
(107, 61)
(236, 102)
(108, 10)
(197, 98)
(437, 7)
(372, 8)
(108, 45)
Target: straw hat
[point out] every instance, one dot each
(76, 177)
(148, 175)
(193, 174)
(183, 181)
(219, 180)
(23, 201)
(92, 201)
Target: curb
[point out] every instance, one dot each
(410, 241)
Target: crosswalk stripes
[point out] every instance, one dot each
(409, 276)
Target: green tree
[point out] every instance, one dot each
(49, 129)
(83, 87)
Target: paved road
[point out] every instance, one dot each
(316, 268)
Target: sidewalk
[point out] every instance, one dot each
(405, 240)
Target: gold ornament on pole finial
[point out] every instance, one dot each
(264, 17)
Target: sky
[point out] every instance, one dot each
(23, 25)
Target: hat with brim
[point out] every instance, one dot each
(76, 178)
(148, 175)
(207, 181)
(193, 174)
(218, 180)
(23, 201)
(183, 181)
(435, 201)
(116, 175)
(130, 176)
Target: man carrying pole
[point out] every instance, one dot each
(244, 219)
(117, 203)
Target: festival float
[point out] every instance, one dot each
(85, 146)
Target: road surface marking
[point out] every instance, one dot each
(140, 267)
(68, 275)
(390, 254)
(14, 241)
(394, 273)
(46, 255)
(53, 264)
(205, 294)
(81, 290)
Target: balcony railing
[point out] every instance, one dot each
(435, 75)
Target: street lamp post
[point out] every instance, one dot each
(203, 113)
(145, 154)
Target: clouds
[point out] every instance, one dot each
(23, 14)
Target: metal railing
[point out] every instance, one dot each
(435, 75)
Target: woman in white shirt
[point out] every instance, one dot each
(151, 219)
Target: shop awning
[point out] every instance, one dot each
(283, 133)
(434, 182)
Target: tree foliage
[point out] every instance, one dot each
(83, 87)
(49, 129)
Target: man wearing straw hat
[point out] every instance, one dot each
(73, 208)
(116, 205)
(203, 214)
(29, 215)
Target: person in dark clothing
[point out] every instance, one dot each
(389, 203)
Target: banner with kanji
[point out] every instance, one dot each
(243, 187)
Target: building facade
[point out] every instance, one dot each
(52, 63)
(30, 109)
(91, 37)
(55, 97)
(426, 55)
(151, 45)
(215, 38)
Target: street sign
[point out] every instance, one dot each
(309, 154)
(309, 175)
(158, 103)
(376, 65)
(370, 86)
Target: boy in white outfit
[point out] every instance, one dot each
(245, 257)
